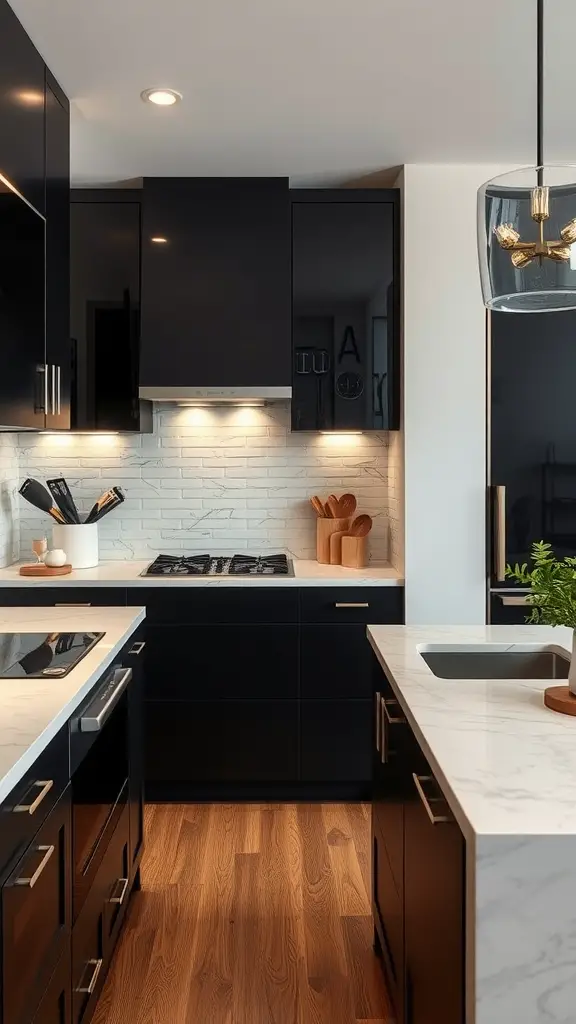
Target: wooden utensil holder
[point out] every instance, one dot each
(324, 530)
(355, 552)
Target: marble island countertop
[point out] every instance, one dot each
(307, 573)
(33, 710)
(506, 764)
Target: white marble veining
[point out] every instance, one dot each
(506, 763)
(33, 710)
(124, 574)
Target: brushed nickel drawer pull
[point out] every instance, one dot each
(352, 604)
(399, 719)
(514, 600)
(73, 604)
(96, 968)
(138, 648)
(383, 735)
(46, 786)
(436, 819)
(31, 881)
(378, 699)
(120, 898)
(500, 533)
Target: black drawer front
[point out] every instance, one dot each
(216, 662)
(221, 741)
(335, 662)
(30, 802)
(36, 595)
(234, 604)
(336, 740)
(36, 916)
(341, 605)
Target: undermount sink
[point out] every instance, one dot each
(494, 662)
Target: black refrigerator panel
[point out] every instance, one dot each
(532, 436)
(345, 311)
(105, 312)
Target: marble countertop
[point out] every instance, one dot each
(506, 764)
(126, 574)
(33, 710)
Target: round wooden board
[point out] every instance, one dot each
(559, 698)
(45, 570)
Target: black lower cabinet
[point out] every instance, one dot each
(388, 910)
(56, 1005)
(434, 859)
(335, 662)
(135, 660)
(508, 610)
(335, 741)
(36, 915)
(195, 743)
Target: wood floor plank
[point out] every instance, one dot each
(240, 920)
(360, 821)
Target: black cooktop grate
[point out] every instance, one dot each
(219, 565)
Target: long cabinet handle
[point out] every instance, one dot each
(53, 401)
(30, 882)
(58, 390)
(96, 966)
(138, 648)
(392, 719)
(119, 897)
(436, 819)
(100, 709)
(73, 604)
(500, 532)
(352, 604)
(46, 786)
(378, 713)
(516, 600)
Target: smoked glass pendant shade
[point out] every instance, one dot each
(527, 240)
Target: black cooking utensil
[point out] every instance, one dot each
(62, 496)
(37, 495)
(108, 506)
(106, 496)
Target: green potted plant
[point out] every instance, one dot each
(552, 601)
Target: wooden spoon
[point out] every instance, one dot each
(347, 505)
(318, 506)
(361, 526)
(334, 505)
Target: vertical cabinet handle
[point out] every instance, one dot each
(45, 787)
(58, 390)
(53, 390)
(392, 719)
(31, 880)
(500, 532)
(96, 966)
(436, 819)
(378, 726)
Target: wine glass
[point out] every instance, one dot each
(40, 547)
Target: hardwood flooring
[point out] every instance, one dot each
(250, 914)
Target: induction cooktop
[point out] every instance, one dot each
(43, 655)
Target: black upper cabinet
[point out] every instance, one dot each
(345, 309)
(58, 350)
(216, 282)
(105, 311)
(21, 109)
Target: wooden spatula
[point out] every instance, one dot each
(347, 505)
(361, 526)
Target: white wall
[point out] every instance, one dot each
(444, 396)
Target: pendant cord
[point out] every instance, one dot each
(540, 90)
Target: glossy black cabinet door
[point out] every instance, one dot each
(58, 348)
(345, 309)
(335, 741)
(21, 109)
(233, 741)
(533, 431)
(433, 906)
(105, 311)
(216, 282)
(23, 380)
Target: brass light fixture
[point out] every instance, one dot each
(527, 227)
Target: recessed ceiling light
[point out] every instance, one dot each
(161, 97)
(159, 239)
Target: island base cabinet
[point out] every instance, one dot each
(56, 1005)
(434, 857)
(388, 923)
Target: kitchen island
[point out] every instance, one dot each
(499, 769)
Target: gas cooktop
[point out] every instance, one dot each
(220, 565)
(43, 655)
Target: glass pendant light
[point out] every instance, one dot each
(527, 227)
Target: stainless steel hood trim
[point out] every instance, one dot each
(184, 394)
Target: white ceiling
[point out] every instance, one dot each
(320, 90)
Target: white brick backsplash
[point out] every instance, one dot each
(222, 479)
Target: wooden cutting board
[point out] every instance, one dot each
(45, 570)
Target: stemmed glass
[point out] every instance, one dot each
(40, 547)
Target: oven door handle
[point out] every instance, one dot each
(99, 710)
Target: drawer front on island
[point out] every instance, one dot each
(36, 915)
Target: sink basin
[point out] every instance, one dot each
(494, 662)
